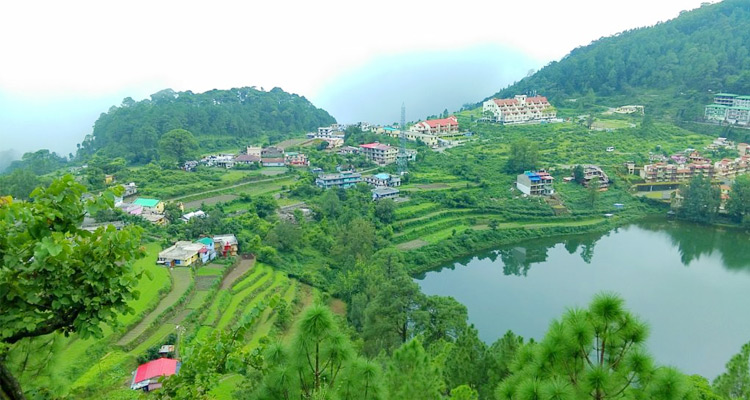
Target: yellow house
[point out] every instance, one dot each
(182, 254)
(108, 179)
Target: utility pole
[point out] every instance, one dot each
(401, 158)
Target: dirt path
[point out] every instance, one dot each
(181, 278)
(238, 271)
(412, 244)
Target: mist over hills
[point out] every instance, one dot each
(706, 49)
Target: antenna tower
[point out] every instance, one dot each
(401, 159)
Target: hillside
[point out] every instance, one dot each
(218, 118)
(701, 50)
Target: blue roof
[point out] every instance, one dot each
(383, 175)
(388, 128)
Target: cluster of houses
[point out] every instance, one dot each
(682, 167)
(729, 108)
(521, 109)
(186, 253)
(384, 184)
(271, 156)
(151, 210)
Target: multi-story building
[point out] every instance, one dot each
(520, 109)
(663, 172)
(443, 126)
(295, 159)
(591, 172)
(344, 179)
(254, 151)
(728, 168)
(381, 193)
(381, 154)
(729, 108)
(535, 183)
(411, 135)
(334, 131)
(383, 179)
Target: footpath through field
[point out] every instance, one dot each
(181, 277)
(238, 271)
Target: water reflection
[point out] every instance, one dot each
(692, 241)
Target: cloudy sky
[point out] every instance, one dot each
(65, 62)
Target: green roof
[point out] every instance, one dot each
(207, 241)
(726, 94)
(744, 97)
(146, 202)
(717, 106)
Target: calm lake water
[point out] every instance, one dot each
(690, 283)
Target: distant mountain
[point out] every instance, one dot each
(704, 49)
(218, 118)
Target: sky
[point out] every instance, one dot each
(65, 63)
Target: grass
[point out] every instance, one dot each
(222, 296)
(147, 287)
(227, 385)
(182, 279)
(231, 309)
(198, 299)
(410, 210)
(156, 338)
(258, 271)
(211, 269)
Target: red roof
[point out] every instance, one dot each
(434, 123)
(153, 369)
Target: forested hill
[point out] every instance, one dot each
(703, 49)
(218, 118)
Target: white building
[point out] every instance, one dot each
(520, 109)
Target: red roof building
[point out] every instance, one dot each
(437, 126)
(381, 154)
(146, 377)
(520, 109)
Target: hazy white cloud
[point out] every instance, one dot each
(85, 49)
(97, 46)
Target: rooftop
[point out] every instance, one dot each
(384, 190)
(155, 368)
(383, 175)
(146, 202)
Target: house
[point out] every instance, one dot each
(384, 193)
(166, 349)
(591, 172)
(130, 189)
(130, 208)
(253, 151)
(520, 109)
(247, 159)
(295, 159)
(272, 152)
(381, 154)
(345, 179)
(272, 162)
(210, 247)
(146, 376)
(189, 166)
(154, 206)
(443, 126)
(187, 217)
(333, 142)
(182, 254)
(226, 244)
(743, 149)
(334, 131)
(221, 160)
(348, 150)
(109, 179)
(383, 179)
(535, 183)
(414, 134)
(729, 108)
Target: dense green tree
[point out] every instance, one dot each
(595, 353)
(39, 162)
(265, 205)
(498, 360)
(19, 183)
(700, 200)
(738, 205)
(284, 236)
(57, 277)
(734, 383)
(178, 145)
(172, 212)
(411, 375)
(593, 192)
(464, 392)
(442, 318)
(385, 211)
(466, 364)
(578, 174)
(523, 156)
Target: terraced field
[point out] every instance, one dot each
(182, 278)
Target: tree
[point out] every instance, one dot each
(411, 375)
(498, 360)
(178, 145)
(593, 191)
(734, 383)
(57, 277)
(524, 156)
(738, 205)
(578, 174)
(172, 212)
(700, 200)
(385, 211)
(466, 364)
(19, 183)
(464, 392)
(595, 353)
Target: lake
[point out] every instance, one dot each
(690, 283)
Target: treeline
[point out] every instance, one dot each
(217, 118)
(703, 49)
